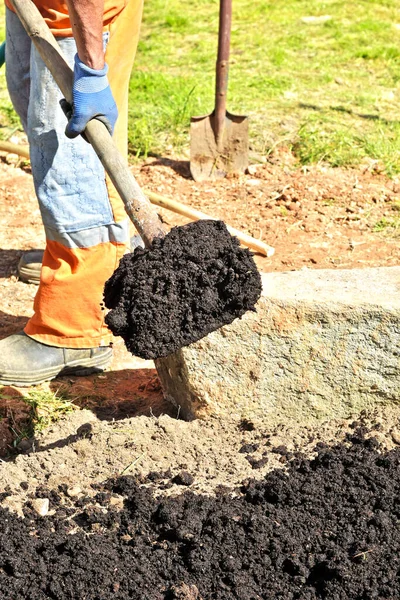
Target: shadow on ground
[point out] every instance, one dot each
(14, 419)
(9, 259)
(181, 167)
(111, 396)
(116, 395)
(10, 324)
(349, 111)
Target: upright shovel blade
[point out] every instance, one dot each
(211, 161)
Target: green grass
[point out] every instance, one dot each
(329, 90)
(45, 408)
(390, 227)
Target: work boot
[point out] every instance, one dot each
(25, 362)
(30, 263)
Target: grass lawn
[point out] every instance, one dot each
(322, 77)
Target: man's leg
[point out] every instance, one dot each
(120, 53)
(84, 242)
(86, 236)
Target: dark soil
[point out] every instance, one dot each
(191, 282)
(322, 528)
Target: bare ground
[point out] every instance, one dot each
(315, 217)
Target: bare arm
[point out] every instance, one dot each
(87, 26)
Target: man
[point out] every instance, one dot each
(87, 230)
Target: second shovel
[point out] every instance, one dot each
(219, 141)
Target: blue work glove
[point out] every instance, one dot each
(92, 98)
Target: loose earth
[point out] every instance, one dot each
(320, 528)
(191, 282)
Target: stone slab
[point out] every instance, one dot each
(323, 343)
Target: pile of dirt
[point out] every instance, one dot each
(321, 528)
(191, 282)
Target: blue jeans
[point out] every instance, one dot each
(68, 176)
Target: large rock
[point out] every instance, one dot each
(322, 343)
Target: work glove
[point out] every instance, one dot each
(91, 98)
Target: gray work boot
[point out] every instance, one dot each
(25, 362)
(30, 263)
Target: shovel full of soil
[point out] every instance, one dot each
(183, 285)
(191, 282)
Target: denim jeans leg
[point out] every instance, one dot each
(18, 55)
(69, 177)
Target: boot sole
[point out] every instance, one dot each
(29, 275)
(79, 368)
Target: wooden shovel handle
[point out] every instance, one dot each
(192, 213)
(139, 209)
(19, 149)
(222, 66)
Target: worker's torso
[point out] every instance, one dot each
(55, 13)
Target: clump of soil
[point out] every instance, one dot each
(191, 282)
(323, 528)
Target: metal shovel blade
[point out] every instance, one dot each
(209, 160)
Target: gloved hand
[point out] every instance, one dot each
(92, 98)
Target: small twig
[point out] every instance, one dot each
(321, 160)
(280, 194)
(10, 134)
(287, 138)
(353, 244)
(133, 463)
(214, 165)
(363, 553)
(297, 224)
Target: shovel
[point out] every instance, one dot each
(219, 141)
(184, 284)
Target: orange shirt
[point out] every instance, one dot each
(55, 13)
